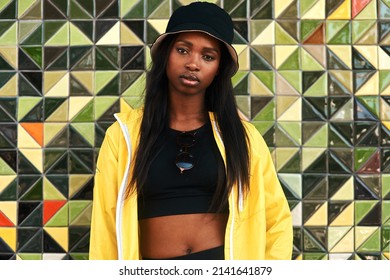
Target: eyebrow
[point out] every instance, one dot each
(191, 44)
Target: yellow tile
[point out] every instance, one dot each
(280, 6)
(50, 78)
(316, 12)
(371, 87)
(86, 78)
(283, 103)
(344, 77)
(342, 12)
(243, 52)
(369, 12)
(10, 209)
(10, 88)
(61, 114)
(346, 192)
(384, 59)
(5, 180)
(76, 104)
(10, 54)
(296, 215)
(9, 236)
(282, 53)
(25, 140)
(267, 36)
(309, 155)
(112, 37)
(60, 235)
(283, 155)
(35, 157)
(76, 182)
(345, 218)
(369, 52)
(50, 192)
(293, 113)
(345, 244)
(51, 130)
(343, 52)
(362, 234)
(257, 88)
(320, 217)
(60, 88)
(128, 37)
(158, 24)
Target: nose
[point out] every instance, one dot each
(192, 64)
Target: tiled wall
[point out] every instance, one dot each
(314, 78)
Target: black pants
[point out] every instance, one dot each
(216, 253)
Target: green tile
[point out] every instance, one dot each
(76, 208)
(87, 130)
(294, 78)
(372, 244)
(386, 213)
(338, 32)
(267, 78)
(132, 9)
(308, 27)
(267, 113)
(25, 104)
(78, 12)
(385, 185)
(282, 37)
(263, 126)
(60, 219)
(86, 114)
(362, 155)
(102, 104)
(9, 36)
(30, 256)
(360, 27)
(294, 130)
(362, 208)
(35, 53)
(371, 103)
(309, 63)
(292, 62)
(305, 5)
(384, 79)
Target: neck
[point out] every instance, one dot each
(188, 115)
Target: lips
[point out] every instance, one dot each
(189, 80)
(189, 77)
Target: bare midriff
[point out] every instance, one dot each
(178, 235)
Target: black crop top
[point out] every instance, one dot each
(167, 191)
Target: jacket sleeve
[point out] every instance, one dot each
(279, 235)
(103, 243)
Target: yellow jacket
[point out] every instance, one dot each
(260, 227)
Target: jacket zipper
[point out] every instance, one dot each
(120, 199)
(240, 201)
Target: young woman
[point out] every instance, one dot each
(184, 177)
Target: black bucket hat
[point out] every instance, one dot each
(203, 17)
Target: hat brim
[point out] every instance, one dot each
(232, 51)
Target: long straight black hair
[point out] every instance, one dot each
(219, 99)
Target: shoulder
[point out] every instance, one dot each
(255, 139)
(131, 119)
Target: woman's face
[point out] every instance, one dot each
(193, 63)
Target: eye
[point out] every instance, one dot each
(181, 50)
(208, 57)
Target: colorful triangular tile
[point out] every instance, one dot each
(55, 239)
(340, 239)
